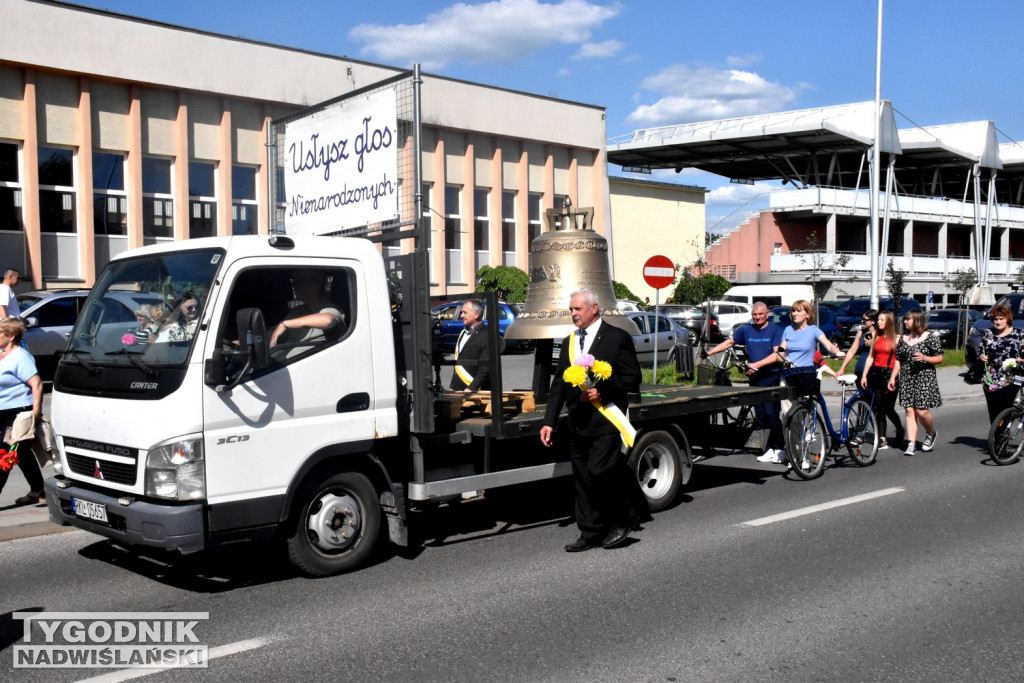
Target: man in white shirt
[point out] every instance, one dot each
(8, 302)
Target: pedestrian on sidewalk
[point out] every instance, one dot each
(861, 345)
(918, 351)
(877, 370)
(1002, 343)
(20, 390)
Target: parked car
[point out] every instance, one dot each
(730, 314)
(1015, 302)
(446, 323)
(692, 318)
(945, 322)
(669, 334)
(50, 315)
(826, 322)
(627, 306)
(848, 316)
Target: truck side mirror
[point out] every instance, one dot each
(252, 335)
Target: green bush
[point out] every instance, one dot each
(508, 281)
(622, 292)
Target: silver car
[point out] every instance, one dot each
(669, 334)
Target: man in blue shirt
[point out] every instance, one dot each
(761, 339)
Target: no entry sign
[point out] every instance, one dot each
(659, 271)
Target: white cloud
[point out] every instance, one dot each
(736, 194)
(502, 31)
(608, 48)
(700, 93)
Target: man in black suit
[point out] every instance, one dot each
(472, 371)
(601, 477)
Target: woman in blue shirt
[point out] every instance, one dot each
(799, 341)
(20, 390)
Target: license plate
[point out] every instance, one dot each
(89, 510)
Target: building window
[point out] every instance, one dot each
(243, 200)
(202, 199)
(109, 200)
(56, 190)
(10, 188)
(560, 200)
(157, 200)
(533, 216)
(481, 220)
(452, 217)
(508, 227)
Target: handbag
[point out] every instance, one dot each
(23, 428)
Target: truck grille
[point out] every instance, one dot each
(114, 472)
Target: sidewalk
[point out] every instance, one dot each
(34, 520)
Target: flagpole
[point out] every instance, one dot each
(875, 250)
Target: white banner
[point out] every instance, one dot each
(341, 166)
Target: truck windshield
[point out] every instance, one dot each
(145, 311)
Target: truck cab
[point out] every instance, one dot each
(202, 432)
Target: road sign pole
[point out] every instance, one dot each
(659, 272)
(657, 307)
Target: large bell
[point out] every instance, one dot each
(568, 257)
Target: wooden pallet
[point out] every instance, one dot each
(455, 406)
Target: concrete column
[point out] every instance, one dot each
(264, 206)
(84, 219)
(494, 206)
(440, 258)
(469, 214)
(522, 211)
(133, 168)
(830, 234)
(1004, 243)
(574, 181)
(181, 159)
(226, 154)
(30, 181)
(548, 199)
(908, 239)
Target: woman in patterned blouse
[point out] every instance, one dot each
(1000, 344)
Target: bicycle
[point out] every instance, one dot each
(1006, 435)
(716, 373)
(811, 437)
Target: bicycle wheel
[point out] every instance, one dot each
(1006, 436)
(806, 441)
(862, 433)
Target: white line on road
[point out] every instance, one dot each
(824, 506)
(214, 653)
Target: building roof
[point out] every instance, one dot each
(764, 147)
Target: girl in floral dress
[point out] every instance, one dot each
(918, 351)
(999, 345)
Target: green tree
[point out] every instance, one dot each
(508, 281)
(696, 289)
(962, 280)
(894, 278)
(623, 292)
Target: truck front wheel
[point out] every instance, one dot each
(654, 460)
(335, 525)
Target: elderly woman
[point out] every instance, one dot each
(1002, 343)
(20, 390)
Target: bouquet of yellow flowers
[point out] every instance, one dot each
(586, 371)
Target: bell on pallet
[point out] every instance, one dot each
(568, 257)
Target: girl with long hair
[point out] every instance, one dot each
(877, 370)
(918, 351)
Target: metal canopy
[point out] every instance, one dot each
(809, 146)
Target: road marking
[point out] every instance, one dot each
(213, 653)
(782, 516)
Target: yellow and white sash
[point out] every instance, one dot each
(459, 370)
(611, 412)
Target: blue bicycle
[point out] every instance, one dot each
(810, 436)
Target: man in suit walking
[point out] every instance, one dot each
(472, 352)
(601, 478)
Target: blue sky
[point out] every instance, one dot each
(654, 62)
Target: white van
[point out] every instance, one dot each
(772, 295)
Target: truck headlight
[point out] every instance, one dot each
(176, 470)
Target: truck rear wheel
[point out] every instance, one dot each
(654, 460)
(335, 525)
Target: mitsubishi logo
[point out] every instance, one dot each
(97, 473)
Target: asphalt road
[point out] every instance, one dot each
(916, 581)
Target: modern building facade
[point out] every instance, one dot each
(126, 132)
(950, 198)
